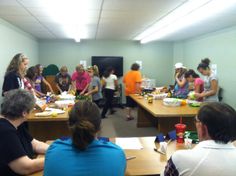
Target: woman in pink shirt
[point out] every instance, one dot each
(192, 76)
(80, 80)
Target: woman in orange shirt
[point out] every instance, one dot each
(132, 81)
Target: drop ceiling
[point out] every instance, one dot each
(109, 19)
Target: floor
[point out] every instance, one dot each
(115, 125)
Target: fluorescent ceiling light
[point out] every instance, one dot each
(193, 11)
(71, 14)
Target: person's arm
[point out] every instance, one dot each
(138, 83)
(39, 147)
(70, 84)
(197, 88)
(103, 82)
(138, 87)
(47, 84)
(93, 91)
(170, 169)
(213, 91)
(25, 166)
(116, 83)
(84, 90)
(39, 94)
(58, 87)
(182, 82)
(73, 83)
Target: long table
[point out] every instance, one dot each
(147, 161)
(164, 117)
(49, 127)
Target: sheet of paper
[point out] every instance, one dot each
(129, 143)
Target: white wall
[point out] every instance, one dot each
(220, 48)
(156, 57)
(14, 41)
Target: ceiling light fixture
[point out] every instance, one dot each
(71, 14)
(193, 11)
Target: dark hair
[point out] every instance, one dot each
(31, 73)
(135, 67)
(192, 73)
(16, 102)
(220, 120)
(108, 71)
(84, 123)
(204, 64)
(37, 68)
(181, 72)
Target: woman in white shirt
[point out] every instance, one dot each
(110, 84)
(211, 83)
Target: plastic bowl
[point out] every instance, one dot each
(171, 102)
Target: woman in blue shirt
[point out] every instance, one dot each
(83, 154)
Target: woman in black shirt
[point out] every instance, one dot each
(17, 147)
(15, 73)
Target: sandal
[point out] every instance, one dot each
(129, 118)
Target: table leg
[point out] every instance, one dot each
(145, 119)
(166, 124)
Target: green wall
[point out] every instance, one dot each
(156, 57)
(13, 41)
(220, 48)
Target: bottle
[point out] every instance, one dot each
(48, 98)
(169, 94)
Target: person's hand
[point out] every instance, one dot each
(87, 94)
(82, 93)
(198, 95)
(176, 75)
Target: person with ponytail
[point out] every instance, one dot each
(192, 77)
(95, 87)
(83, 154)
(211, 87)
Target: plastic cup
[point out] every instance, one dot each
(188, 143)
(180, 129)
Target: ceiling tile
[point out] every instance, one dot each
(9, 3)
(120, 19)
(19, 18)
(12, 10)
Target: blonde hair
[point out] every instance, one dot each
(95, 70)
(15, 63)
(63, 69)
(79, 67)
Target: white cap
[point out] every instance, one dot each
(179, 65)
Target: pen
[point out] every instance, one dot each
(130, 157)
(158, 151)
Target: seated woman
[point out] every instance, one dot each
(192, 76)
(181, 84)
(211, 87)
(40, 79)
(17, 147)
(84, 154)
